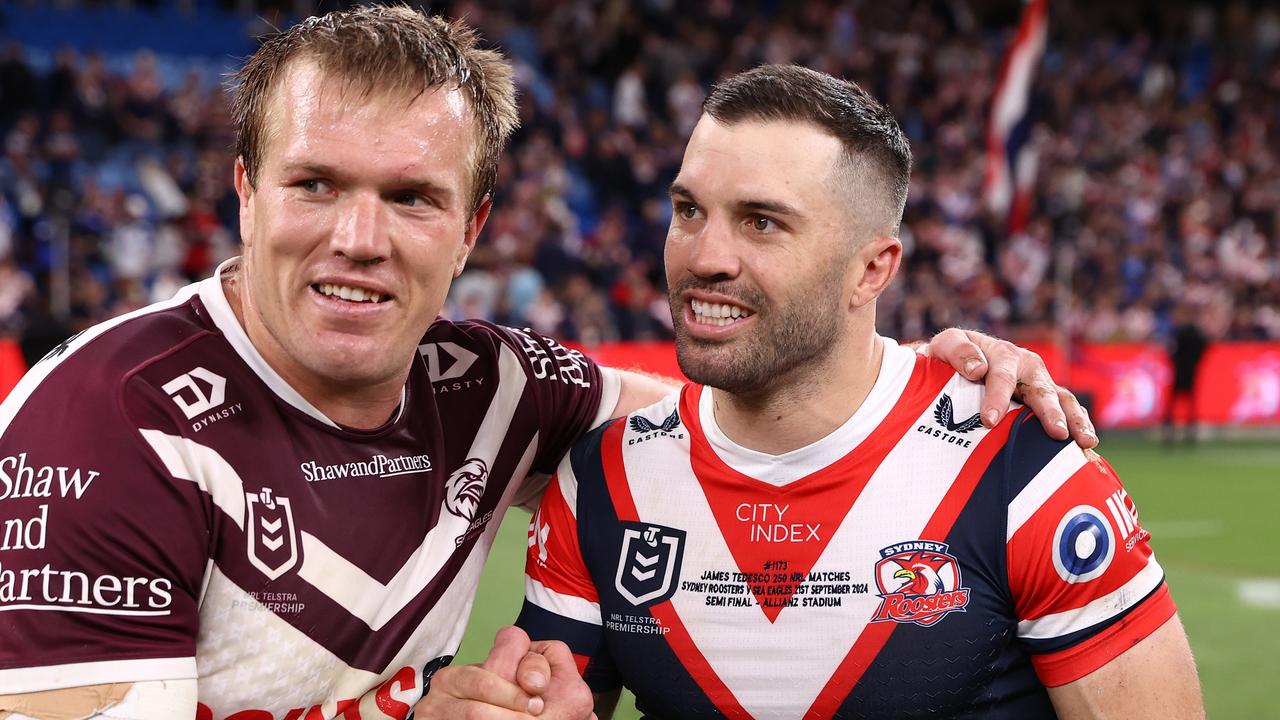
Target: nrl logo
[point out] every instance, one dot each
(271, 532)
(649, 562)
(648, 431)
(465, 487)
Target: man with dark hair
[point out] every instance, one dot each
(821, 526)
(271, 496)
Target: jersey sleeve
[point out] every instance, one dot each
(1085, 583)
(102, 553)
(573, 394)
(561, 602)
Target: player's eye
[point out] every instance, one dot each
(313, 186)
(410, 199)
(686, 210)
(762, 224)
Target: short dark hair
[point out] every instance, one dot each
(867, 129)
(385, 48)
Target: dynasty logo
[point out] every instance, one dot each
(919, 582)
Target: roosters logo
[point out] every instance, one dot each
(919, 583)
(465, 487)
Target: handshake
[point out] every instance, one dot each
(519, 680)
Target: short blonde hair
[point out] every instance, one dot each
(385, 48)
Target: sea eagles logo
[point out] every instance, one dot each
(919, 583)
(465, 487)
(649, 563)
(271, 533)
(943, 415)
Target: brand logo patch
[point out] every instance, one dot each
(647, 430)
(271, 532)
(649, 562)
(1083, 544)
(460, 360)
(943, 414)
(919, 582)
(195, 398)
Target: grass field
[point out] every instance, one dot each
(1212, 512)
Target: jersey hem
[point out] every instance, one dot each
(61, 677)
(1074, 663)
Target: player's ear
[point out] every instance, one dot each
(878, 261)
(244, 191)
(474, 225)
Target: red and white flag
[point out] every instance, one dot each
(1011, 156)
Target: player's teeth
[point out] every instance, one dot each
(352, 294)
(712, 313)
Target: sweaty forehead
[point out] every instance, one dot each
(790, 162)
(308, 103)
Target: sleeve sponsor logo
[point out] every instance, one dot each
(1083, 544)
(272, 543)
(49, 588)
(649, 562)
(562, 364)
(919, 583)
(539, 531)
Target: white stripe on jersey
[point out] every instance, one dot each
(570, 606)
(568, 481)
(667, 493)
(187, 459)
(1052, 476)
(36, 375)
(56, 677)
(1103, 608)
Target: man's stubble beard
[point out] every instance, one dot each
(789, 342)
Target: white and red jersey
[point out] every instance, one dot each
(910, 564)
(170, 509)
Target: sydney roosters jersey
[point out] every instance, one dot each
(173, 510)
(911, 564)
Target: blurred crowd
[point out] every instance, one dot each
(1159, 185)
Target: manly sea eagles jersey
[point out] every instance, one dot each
(911, 564)
(170, 509)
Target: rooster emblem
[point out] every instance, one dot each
(644, 425)
(919, 573)
(943, 414)
(465, 487)
(919, 583)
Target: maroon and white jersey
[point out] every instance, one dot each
(170, 509)
(912, 564)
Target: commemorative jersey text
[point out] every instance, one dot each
(883, 583)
